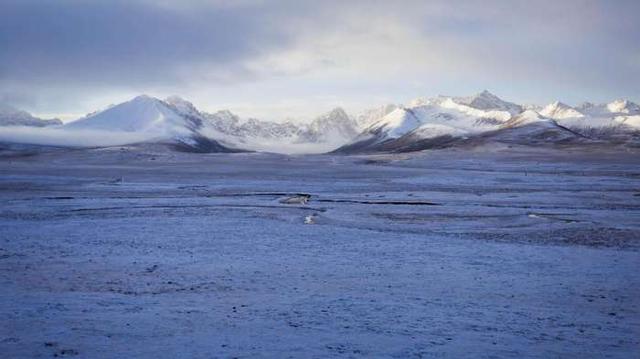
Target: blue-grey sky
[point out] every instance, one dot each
(277, 59)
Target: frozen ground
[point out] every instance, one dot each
(128, 253)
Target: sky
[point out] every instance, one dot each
(296, 59)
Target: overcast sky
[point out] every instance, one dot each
(278, 59)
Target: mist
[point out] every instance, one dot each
(66, 137)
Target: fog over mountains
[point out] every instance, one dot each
(424, 123)
(11, 116)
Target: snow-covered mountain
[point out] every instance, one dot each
(440, 121)
(480, 104)
(615, 121)
(173, 121)
(424, 123)
(177, 120)
(10, 116)
(433, 118)
(323, 134)
(142, 113)
(227, 123)
(559, 110)
(333, 127)
(530, 127)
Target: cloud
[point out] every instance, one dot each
(106, 42)
(66, 55)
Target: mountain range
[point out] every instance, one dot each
(424, 123)
(446, 121)
(10, 116)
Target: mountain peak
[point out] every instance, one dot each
(139, 114)
(485, 100)
(486, 96)
(559, 105)
(336, 116)
(336, 124)
(559, 110)
(486, 93)
(143, 97)
(142, 100)
(337, 112)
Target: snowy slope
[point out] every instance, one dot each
(174, 121)
(476, 105)
(611, 109)
(397, 123)
(143, 113)
(430, 118)
(440, 121)
(530, 127)
(598, 121)
(528, 117)
(488, 102)
(629, 121)
(430, 121)
(559, 111)
(369, 116)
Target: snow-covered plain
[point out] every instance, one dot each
(487, 253)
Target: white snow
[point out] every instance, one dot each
(142, 114)
(528, 117)
(631, 121)
(624, 107)
(559, 111)
(475, 112)
(445, 116)
(488, 101)
(432, 130)
(397, 123)
(128, 253)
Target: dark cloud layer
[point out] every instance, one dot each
(102, 42)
